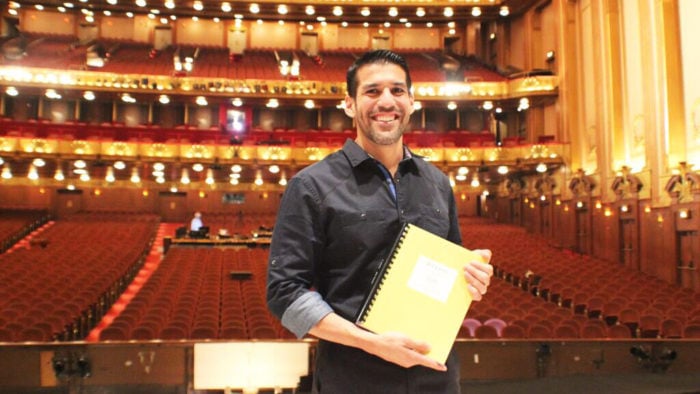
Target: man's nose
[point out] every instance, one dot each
(386, 98)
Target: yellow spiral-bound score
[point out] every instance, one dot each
(421, 291)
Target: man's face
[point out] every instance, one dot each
(383, 104)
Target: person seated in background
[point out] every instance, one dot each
(196, 222)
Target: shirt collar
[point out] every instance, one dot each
(356, 155)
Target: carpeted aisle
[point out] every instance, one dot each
(152, 261)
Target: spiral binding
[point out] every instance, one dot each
(382, 273)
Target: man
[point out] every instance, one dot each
(337, 221)
(196, 222)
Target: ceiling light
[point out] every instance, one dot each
(475, 181)
(198, 6)
(169, 4)
(6, 172)
(365, 11)
(448, 12)
(541, 168)
(198, 167)
(488, 105)
(163, 99)
(504, 11)
(338, 11)
(309, 104)
(32, 174)
(272, 103)
(420, 12)
(226, 6)
(119, 165)
(282, 9)
(452, 106)
(274, 169)
(59, 175)
(201, 101)
(11, 91)
(237, 102)
(185, 177)
(309, 10)
(476, 12)
(135, 178)
(393, 11)
(109, 175)
(140, 3)
(236, 168)
(254, 8)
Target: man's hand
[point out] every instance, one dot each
(479, 274)
(393, 347)
(404, 351)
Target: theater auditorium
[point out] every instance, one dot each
(569, 131)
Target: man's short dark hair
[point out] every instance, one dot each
(375, 57)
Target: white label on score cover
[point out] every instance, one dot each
(432, 279)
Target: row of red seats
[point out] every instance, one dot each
(59, 291)
(16, 224)
(192, 296)
(585, 286)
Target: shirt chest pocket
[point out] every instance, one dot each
(434, 219)
(367, 229)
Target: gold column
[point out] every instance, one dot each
(675, 108)
(570, 72)
(612, 75)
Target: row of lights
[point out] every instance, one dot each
(254, 9)
(164, 99)
(80, 169)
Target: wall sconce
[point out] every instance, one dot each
(684, 214)
(550, 56)
(580, 205)
(624, 208)
(598, 205)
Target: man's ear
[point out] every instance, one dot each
(349, 107)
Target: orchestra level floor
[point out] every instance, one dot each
(650, 383)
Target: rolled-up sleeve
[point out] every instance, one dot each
(304, 313)
(293, 250)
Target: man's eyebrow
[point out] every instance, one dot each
(374, 85)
